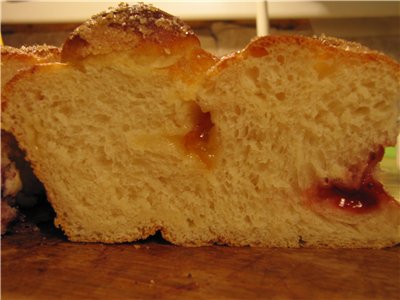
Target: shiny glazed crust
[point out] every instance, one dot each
(139, 28)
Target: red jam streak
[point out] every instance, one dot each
(366, 198)
(197, 141)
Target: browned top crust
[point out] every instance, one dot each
(343, 45)
(141, 17)
(126, 28)
(14, 60)
(327, 46)
(40, 53)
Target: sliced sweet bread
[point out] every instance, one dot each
(300, 125)
(16, 173)
(103, 128)
(138, 130)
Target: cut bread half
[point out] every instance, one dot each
(300, 125)
(16, 173)
(97, 125)
(138, 129)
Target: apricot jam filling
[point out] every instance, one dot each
(367, 197)
(198, 141)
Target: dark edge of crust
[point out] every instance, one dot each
(333, 45)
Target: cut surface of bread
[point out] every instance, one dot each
(16, 173)
(15, 59)
(300, 125)
(138, 129)
(120, 112)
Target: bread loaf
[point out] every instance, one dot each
(300, 125)
(16, 173)
(139, 130)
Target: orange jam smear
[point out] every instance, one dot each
(198, 140)
(366, 198)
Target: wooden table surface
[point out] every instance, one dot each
(43, 265)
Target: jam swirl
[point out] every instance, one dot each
(367, 197)
(197, 140)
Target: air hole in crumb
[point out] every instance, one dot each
(238, 110)
(247, 219)
(102, 118)
(280, 59)
(258, 51)
(190, 222)
(281, 96)
(362, 111)
(254, 180)
(67, 111)
(40, 96)
(379, 105)
(369, 84)
(324, 69)
(102, 161)
(253, 73)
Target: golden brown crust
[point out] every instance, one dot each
(329, 45)
(14, 60)
(343, 44)
(38, 53)
(139, 27)
(200, 59)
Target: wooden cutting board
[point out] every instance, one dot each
(44, 265)
(34, 267)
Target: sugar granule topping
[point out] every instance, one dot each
(344, 45)
(143, 18)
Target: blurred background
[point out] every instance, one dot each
(223, 26)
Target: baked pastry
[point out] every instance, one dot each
(124, 91)
(16, 173)
(139, 129)
(300, 125)
(14, 59)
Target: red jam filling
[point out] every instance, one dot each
(197, 141)
(368, 196)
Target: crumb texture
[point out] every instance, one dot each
(129, 142)
(16, 176)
